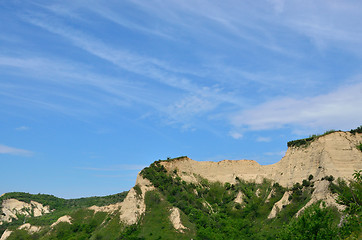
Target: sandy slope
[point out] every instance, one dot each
(334, 154)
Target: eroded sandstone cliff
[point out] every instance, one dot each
(333, 154)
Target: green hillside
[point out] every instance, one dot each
(208, 210)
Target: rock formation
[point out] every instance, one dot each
(333, 154)
(12, 207)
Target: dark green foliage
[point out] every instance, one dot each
(213, 210)
(328, 178)
(357, 130)
(156, 224)
(314, 223)
(61, 206)
(208, 210)
(138, 190)
(306, 183)
(22, 235)
(84, 225)
(350, 195)
(306, 141)
(172, 159)
(299, 197)
(359, 147)
(61, 203)
(129, 233)
(301, 142)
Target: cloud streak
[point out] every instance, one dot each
(15, 151)
(122, 167)
(338, 109)
(250, 95)
(208, 97)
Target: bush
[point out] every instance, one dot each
(137, 190)
(359, 147)
(306, 183)
(306, 141)
(350, 195)
(357, 130)
(314, 223)
(329, 178)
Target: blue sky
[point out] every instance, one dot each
(93, 91)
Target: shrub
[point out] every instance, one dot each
(314, 223)
(306, 183)
(359, 147)
(329, 178)
(357, 130)
(137, 190)
(310, 177)
(350, 195)
(306, 141)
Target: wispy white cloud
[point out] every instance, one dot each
(280, 153)
(74, 78)
(338, 109)
(115, 17)
(236, 135)
(143, 65)
(122, 167)
(22, 128)
(14, 151)
(195, 92)
(151, 68)
(189, 107)
(278, 5)
(263, 139)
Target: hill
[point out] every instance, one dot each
(315, 191)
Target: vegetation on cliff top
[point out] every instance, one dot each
(306, 141)
(215, 214)
(207, 209)
(357, 130)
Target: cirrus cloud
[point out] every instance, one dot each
(337, 109)
(14, 151)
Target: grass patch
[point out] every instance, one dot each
(357, 130)
(156, 223)
(61, 203)
(306, 141)
(359, 147)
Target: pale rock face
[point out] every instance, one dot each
(6, 234)
(65, 218)
(334, 154)
(279, 205)
(133, 206)
(109, 208)
(239, 198)
(11, 207)
(322, 192)
(176, 220)
(271, 193)
(208, 206)
(31, 229)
